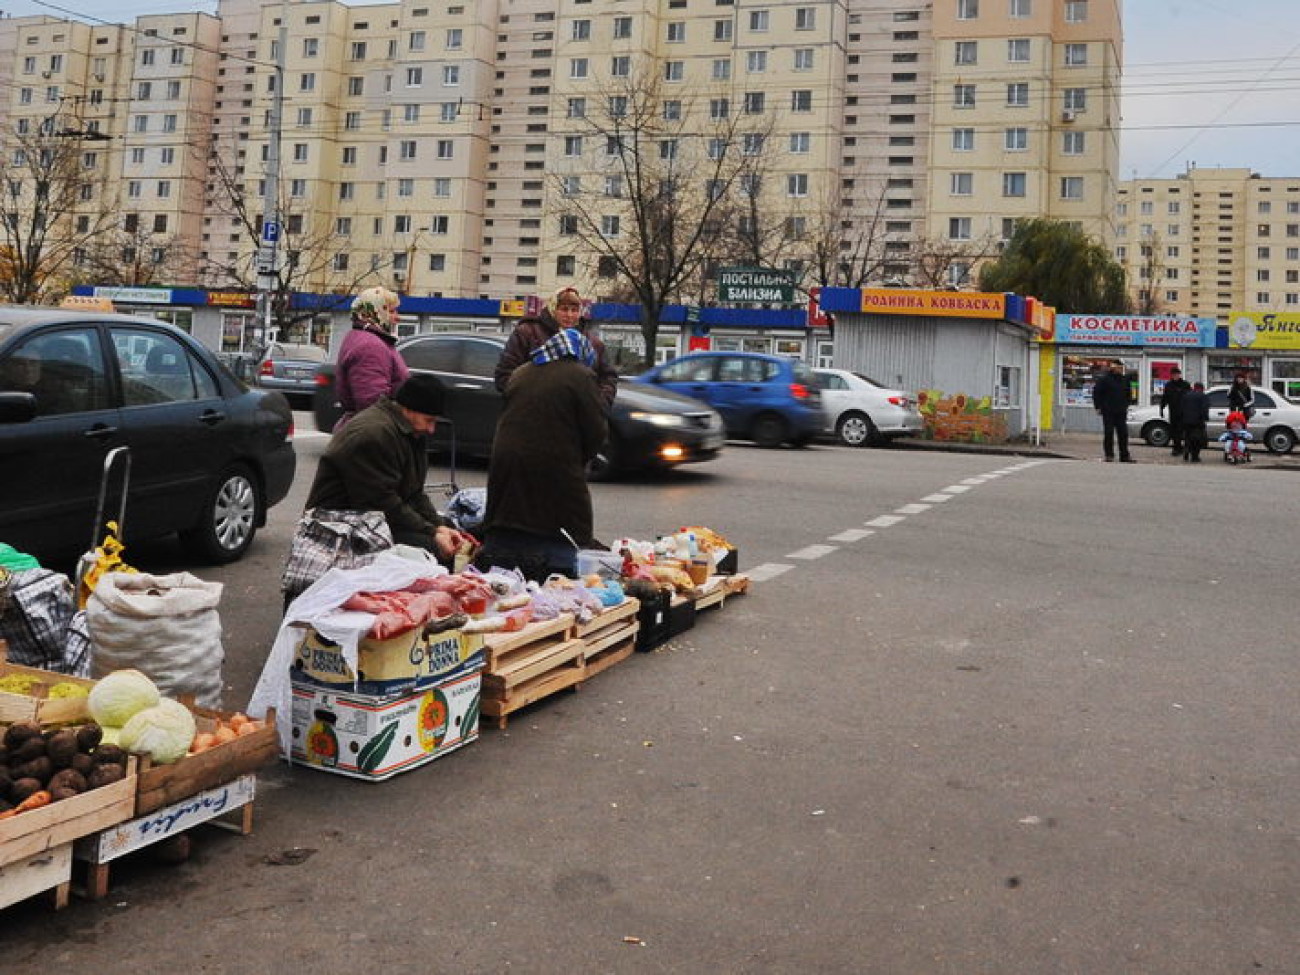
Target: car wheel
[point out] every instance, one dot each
(768, 430)
(1279, 440)
(856, 430)
(231, 513)
(1156, 433)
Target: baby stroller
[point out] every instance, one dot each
(1236, 439)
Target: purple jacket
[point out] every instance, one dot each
(369, 367)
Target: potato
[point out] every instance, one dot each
(22, 788)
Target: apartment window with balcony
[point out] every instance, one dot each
(1018, 50)
(961, 184)
(966, 52)
(1076, 55)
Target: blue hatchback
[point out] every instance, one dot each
(768, 399)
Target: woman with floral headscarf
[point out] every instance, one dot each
(562, 310)
(552, 424)
(369, 366)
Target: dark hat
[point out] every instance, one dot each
(421, 393)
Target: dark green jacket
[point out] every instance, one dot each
(377, 462)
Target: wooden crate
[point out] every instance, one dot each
(39, 830)
(612, 616)
(716, 590)
(525, 666)
(612, 649)
(161, 785)
(37, 705)
(47, 870)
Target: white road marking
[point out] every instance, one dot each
(975, 480)
(812, 552)
(956, 489)
(852, 535)
(766, 571)
(912, 509)
(884, 521)
(937, 498)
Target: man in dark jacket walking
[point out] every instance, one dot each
(1112, 397)
(1195, 414)
(1175, 388)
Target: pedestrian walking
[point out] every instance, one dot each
(1176, 388)
(1195, 407)
(1240, 396)
(369, 366)
(1112, 396)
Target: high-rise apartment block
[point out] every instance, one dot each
(469, 148)
(1210, 242)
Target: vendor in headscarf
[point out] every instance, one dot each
(369, 366)
(551, 426)
(563, 310)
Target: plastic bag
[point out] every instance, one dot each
(37, 609)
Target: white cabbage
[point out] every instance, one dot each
(163, 732)
(119, 695)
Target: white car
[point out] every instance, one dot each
(1276, 423)
(861, 412)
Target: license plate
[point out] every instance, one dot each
(300, 373)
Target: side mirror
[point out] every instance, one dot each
(17, 407)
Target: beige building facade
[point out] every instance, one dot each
(451, 148)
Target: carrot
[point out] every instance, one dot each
(35, 801)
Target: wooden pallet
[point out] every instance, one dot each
(528, 665)
(716, 590)
(607, 618)
(616, 649)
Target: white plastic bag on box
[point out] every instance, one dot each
(166, 626)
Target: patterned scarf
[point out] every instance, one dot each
(568, 343)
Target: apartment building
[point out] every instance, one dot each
(1210, 242)
(467, 148)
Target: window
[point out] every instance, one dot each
(144, 91)
(437, 262)
(963, 140)
(667, 148)
(805, 18)
(167, 155)
(1019, 9)
(623, 27)
(803, 59)
(968, 9)
(581, 30)
(406, 150)
(754, 102)
(455, 39)
(961, 184)
(300, 152)
(307, 81)
(674, 70)
(450, 75)
(959, 228)
(966, 52)
(1013, 184)
(341, 261)
(614, 185)
(617, 106)
(352, 120)
(752, 143)
(801, 100)
(137, 156)
(796, 184)
(1076, 99)
(297, 188)
(304, 118)
(349, 155)
(577, 67)
(676, 32)
(1072, 143)
(722, 30)
(1018, 94)
(568, 225)
(1076, 55)
(719, 108)
(756, 62)
(1017, 139)
(440, 224)
(402, 223)
(1076, 11)
(721, 69)
(577, 108)
(573, 145)
(566, 265)
(609, 226)
(357, 52)
(310, 47)
(140, 123)
(414, 77)
(347, 191)
(1071, 187)
(442, 187)
(1018, 50)
(963, 96)
(148, 57)
(178, 55)
(758, 20)
(800, 142)
(169, 123)
(672, 110)
(620, 67)
(446, 148)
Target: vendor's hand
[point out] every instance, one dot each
(449, 541)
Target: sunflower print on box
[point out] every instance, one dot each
(960, 418)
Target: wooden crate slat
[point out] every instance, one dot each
(599, 641)
(499, 706)
(611, 655)
(161, 785)
(527, 666)
(38, 830)
(499, 645)
(614, 614)
(35, 874)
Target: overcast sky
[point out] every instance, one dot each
(1206, 82)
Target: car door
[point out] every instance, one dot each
(51, 466)
(180, 430)
(740, 389)
(1218, 410)
(836, 395)
(473, 392)
(691, 376)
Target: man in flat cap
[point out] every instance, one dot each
(379, 461)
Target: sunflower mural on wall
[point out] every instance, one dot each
(959, 418)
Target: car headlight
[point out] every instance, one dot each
(658, 419)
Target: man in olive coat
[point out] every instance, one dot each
(379, 462)
(552, 425)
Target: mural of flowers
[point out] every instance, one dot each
(959, 418)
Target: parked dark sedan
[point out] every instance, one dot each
(648, 427)
(208, 456)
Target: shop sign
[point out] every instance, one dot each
(944, 304)
(512, 308)
(231, 299)
(1151, 330)
(755, 284)
(1263, 330)
(139, 296)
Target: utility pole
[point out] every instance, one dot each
(268, 277)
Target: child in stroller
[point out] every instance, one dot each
(1236, 438)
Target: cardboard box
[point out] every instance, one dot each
(375, 737)
(399, 665)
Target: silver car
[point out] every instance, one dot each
(1275, 423)
(862, 412)
(290, 368)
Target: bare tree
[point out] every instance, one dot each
(313, 258)
(1151, 268)
(847, 246)
(938, 262)
(46, 214)
(131, 255)
(666, 174)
